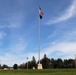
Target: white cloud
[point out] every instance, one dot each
(65, 44)
(63, 34)
(10, 59)
(2, 35)
(68, 13)
(17, 46)
(68, 48)
(69, 36)
(62, 50)
(15, 20)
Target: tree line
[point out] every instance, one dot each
(46, 62)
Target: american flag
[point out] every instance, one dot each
(40, 13)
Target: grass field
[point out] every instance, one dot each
(39, 72)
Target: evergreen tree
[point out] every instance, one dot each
(33, 62)
(45, 62)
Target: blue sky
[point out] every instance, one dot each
(19, 29)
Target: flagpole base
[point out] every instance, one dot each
(39, 66)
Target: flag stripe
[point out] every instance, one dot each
(40, 13)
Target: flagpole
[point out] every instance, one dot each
(39, 40)
(39, 64)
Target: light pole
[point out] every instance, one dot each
(27, 62)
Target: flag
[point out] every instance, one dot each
(40, 13)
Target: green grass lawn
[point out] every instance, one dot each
(40, 72)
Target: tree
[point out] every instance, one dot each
(45, 62)
(15, 66)
(0, 66)
(70, 63)
(65, 63)
(52, 61)
(59, 63)
(33, 62)
(22, 66)
(4, 66)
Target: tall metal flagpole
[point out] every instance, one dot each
(39, 64)
(39, 40)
